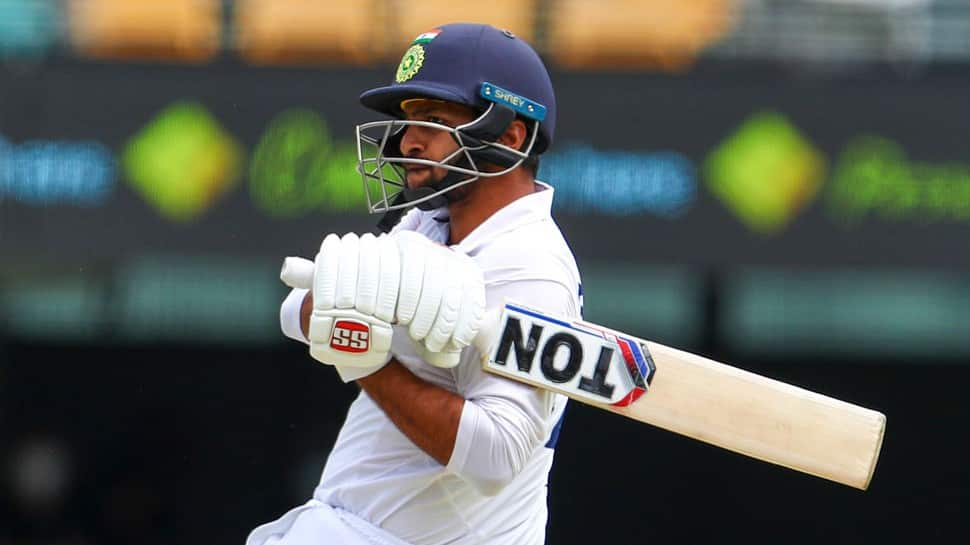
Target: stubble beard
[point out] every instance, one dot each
(453, 195)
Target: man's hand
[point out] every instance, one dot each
(354, 285)
(442, 298)
(437, 292)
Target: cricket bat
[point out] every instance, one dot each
(675, 390)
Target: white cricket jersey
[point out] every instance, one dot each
(493, 489)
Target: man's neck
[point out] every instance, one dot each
(487, 197)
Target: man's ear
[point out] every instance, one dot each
(514, 136)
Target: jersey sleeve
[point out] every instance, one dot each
(290, 315)
(503, 422)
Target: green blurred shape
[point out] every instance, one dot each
(657, 302)
(874, 176)
(298, 168)
(182, 160)
(148, 299)
(765, 172)
(198, 300)
(53, 307)
(848, 312)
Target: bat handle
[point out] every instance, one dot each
(297, 272)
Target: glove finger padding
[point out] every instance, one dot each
(447, 317)
(414, 249)
(347, 272)
(461, 314)
(327, 263)
(390, 278)
(447, 358)
(442, 298)
(368, 274)
(432, 290)
(472, 313)
(346, 281)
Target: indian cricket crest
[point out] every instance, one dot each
(410, 64)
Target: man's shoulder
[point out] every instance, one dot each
(536, 250)
(536, 238)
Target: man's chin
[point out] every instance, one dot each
(419, 178)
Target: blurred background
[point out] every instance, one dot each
(780, 184)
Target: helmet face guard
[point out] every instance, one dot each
(478, 155)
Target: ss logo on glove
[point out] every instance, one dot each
(350, 336)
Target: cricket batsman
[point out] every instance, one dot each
(434, 450)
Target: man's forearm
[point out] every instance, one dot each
(306, 309)
(427, 414)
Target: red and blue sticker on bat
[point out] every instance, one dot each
(576, 358)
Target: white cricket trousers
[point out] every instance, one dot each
(316, 523)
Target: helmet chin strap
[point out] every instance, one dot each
(391, 217)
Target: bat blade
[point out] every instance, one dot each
(687, 394)
(760, 417)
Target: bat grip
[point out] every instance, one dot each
(297, 272)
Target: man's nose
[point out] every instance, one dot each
(411, 143)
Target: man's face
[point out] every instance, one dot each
(428, 143)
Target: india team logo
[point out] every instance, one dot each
(350, 336)
(410, 63)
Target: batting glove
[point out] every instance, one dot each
(355, 284)
(437, 293)
(441, 299)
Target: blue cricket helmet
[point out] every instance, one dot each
(466, 63)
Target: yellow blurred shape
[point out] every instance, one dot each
(664, 34)
(517, 16)
(765, 172)
(182, 161)
(184, 30)
(306, 31)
